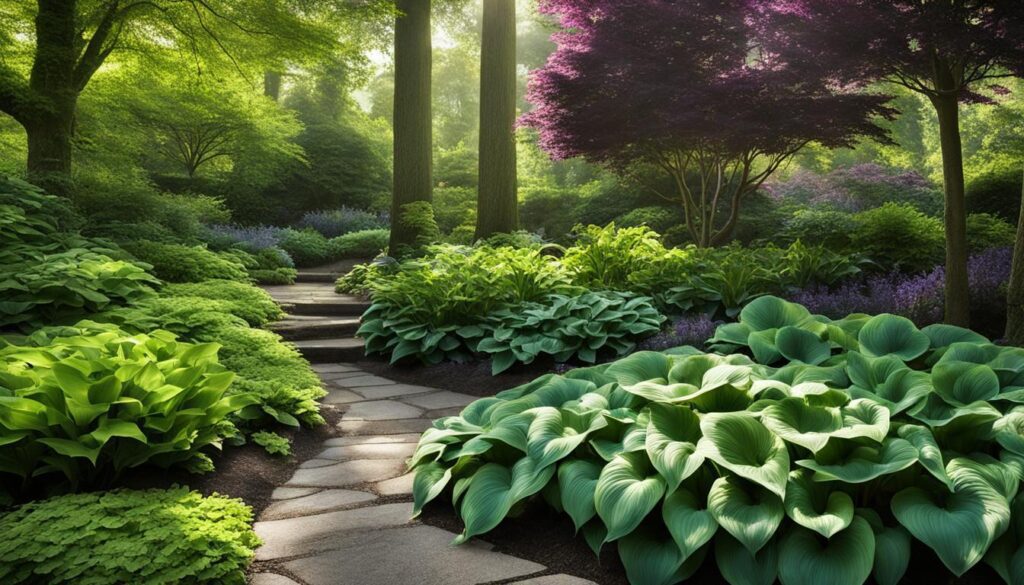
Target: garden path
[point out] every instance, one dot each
(344, 518)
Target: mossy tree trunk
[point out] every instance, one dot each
(497, 203)
(1015, 297)
(413, 148)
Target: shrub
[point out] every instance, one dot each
(986, 231)
(181, 263)
(363, 244)
(551, 213)
(338, 222)
(899, 237)
(306, 247)
(273, 443)
(454, 207)
(997, 193)
(826, 227)
(144, 537)
(357, 280)
(869, 435)
(247, 301)
(859, 188)
(604, 257)
(658, 219)
(92, 401)
(249, 238)
(278, 276)
(418, 218)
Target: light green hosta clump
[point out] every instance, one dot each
(818, 461)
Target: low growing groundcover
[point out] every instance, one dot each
(841, 451)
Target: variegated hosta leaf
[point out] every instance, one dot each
(554, 433)
(428, 483)
(627, 490)
(817, 506)
(689, 521)
(672, 436)
(494, 489)
(1009, 432)
(961, 526)
(749, 512)
(892, 549)
(556, 392)
(741, 444)
(844, 559)
(962, 383)
(888, 334)
(642, 366)
(739, 567)
(577, 481)
(811, 427)
(865, 463)
(618, 438)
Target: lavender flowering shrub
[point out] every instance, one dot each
(249, 238)
(337, 222)
(857, 188)
(692, 330)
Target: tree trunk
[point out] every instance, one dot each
(50, 129)
(497, 204)
(1015, 297)
(958, 306)
(412, 117)
(272, 85)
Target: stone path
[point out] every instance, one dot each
(344, 516)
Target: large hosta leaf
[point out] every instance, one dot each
(941, 335)
(554, 433)
(773, 313)
(641, 366)
(494, 489)
(427, 484)
(671, 442)
(892, 549)
(928, 452)
(959, 527)
(892, 335)
(845, 559)
(803, 346)
(811, 427)
(577, 481)
(865, 463)
(652, 559)
(816, 505)
(747, 511)
(741, 444)
(689, 521)
(739, 567)
(962, 383)
(627, 490)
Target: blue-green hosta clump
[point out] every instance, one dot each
(95, 403)
(819, 460)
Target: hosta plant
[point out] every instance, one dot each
(821, 457)
(92, 405)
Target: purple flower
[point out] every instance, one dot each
(692, 330)
(338, 222)
(251, 238)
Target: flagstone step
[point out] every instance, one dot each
(331, 351)
(307, 327)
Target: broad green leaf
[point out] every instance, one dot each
(641, 366)
(577, 481)
(649, 557)
(749, 512)
(845, 559)
(803, 346)
(928, 452)
(494, 489)
(671, 442)
(892, 549)
(962, 383)
(773, 313)
(554, 433)
(961, 526)
(892, 335)
(428, 483)
(627, 490)
(811, 427)
(941, 335)
(741, 444)
(816, 505)
(739, 567)
(865, 463)
(689, 522)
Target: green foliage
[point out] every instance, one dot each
(92, 401)
(418, 218)
(274, 275)
(827, 227)
(658, 219)
(788, 463)
(182, 263)
(899, 237)
(604, 257)
(985, 231)
(246, 301)
(307, 247)
(361, 244)
(455, 207)
(147, 537)
(997, 193)
(274, 443)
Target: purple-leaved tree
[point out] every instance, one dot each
(683, 86)
(944, 49)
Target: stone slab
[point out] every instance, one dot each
(341, 396)
(418, 554)
(312, 534)
(365, 380)
(401, 426)
(315, 463)
(372, 439)
(287, 493)
(334, 368)
(370, 451)
(560, 579)
(348, 473)
(270, 579)
(375, 410)
(316, 503)
(399, 486)
(437, 400)
(392, 391)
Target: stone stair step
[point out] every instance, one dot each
(316, 277)
(300, 328)
(329, 351)
(326, 308)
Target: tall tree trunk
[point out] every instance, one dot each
(272, 85)
(412, 119)
(50, 129)
(497, 203)
(958, 305)
(1015, 297)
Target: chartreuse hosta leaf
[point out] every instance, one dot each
(866, 462)
(817, 506)
(554, 433)
(741, 444)
(812, 427)
(671, 442)
(494, 489)
(627, 490)
(892, 335)
(844, 559)
(577, 482)
(892, 548)
(960, 526)
(739, 567)
(747, 511)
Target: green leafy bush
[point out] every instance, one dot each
(418, 218)
(985, 232)
(997, 193)
(274, 443)
(92, 401)
(604, 257)
(246, 301)
(142, 537)
(658, 219)
(306, 247)
(828, 227)
(899, 237)
(821, 460)
(181, 263)
(274, 275)
(362, 244)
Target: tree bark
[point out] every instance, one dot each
(958, 305)
(1015, 296)
(413, 146)
(497, 202)
(272, 85)
(50, 128)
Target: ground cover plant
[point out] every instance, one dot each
(806, 450)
